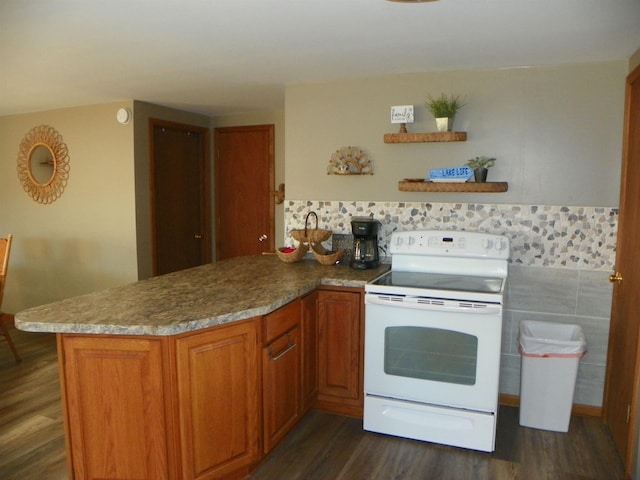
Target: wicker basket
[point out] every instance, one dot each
(310, 235)
(324, 256)
(294, 256)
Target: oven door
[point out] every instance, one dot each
(433, 351)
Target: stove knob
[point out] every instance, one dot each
(487, 243)
(501, 245)
(412, 240)
(399, 241)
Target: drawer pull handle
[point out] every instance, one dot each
(290, 346)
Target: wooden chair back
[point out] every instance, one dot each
(5, 250)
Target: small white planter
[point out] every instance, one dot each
(444, 124)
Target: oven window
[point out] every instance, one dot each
(431, 354)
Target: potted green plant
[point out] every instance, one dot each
(444, 109)
(480, 167)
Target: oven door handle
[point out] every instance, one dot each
(434, 305)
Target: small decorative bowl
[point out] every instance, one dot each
(324, 256)
(296, 255)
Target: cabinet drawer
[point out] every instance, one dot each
(281, 321)
(281, 387)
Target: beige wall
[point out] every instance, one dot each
(85, 240)
(275, 118)
(555, 131)
(556, 134)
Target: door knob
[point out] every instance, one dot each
(198, 236)
(616, 277)
(262, 238)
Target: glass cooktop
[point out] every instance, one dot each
(441, 281)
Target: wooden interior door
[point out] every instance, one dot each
(244, 181)
(621, 389)
(181, 219)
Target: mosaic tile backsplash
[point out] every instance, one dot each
(541, 235)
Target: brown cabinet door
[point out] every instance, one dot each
(218, 400)
(115, 400)
(340, 387)
(281, 387)
(309, 350)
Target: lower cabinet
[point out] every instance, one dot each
(156, 408)
(309, 350)
(211, 403)
(218, 401)
(281, 393)
(115, 401)
(340, 351)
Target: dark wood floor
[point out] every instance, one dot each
(322, 447)
(31, 431)
(332, 447)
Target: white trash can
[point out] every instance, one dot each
(550, 356)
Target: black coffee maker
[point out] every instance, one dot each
(365, 243)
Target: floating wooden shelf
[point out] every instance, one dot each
(425, 137)
(488, 187)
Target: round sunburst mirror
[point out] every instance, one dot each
(43, 164)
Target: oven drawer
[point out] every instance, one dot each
(447, 426)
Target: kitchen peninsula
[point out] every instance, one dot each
(198, 374)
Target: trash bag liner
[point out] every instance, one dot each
(544, 339)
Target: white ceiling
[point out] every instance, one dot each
(219, 57)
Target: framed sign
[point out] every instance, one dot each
(402, 114)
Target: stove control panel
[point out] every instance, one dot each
(445, 242)
(452, 243)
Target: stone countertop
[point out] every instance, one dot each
(192, 299)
